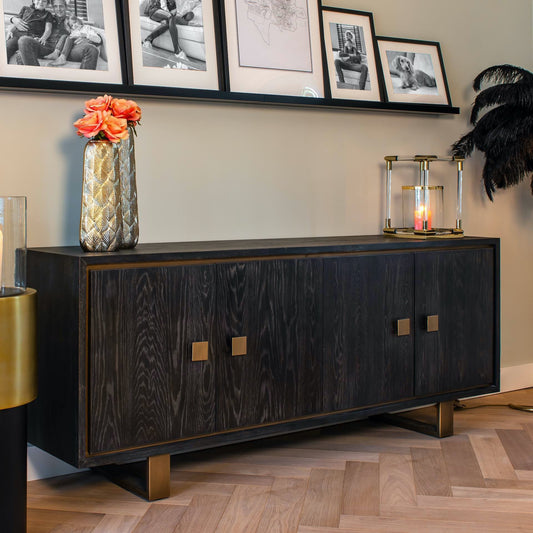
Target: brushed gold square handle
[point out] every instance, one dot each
(238, 346)
(404, 327)
(433, 323)
(200, 351)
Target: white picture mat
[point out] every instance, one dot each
(273, 81)
(264, 45)
(162, 77)
(113, 74)
(416, 48)
(353, 19)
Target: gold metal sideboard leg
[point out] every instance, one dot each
(149, 479)
(440, 426)
(158, 477)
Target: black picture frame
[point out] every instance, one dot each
(109, 74)
(419, 78)
(158, 70)
(359, 76)
(125, 85)
(274, 54)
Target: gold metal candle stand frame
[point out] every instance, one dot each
(425, 233)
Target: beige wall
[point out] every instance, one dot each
(220, 171)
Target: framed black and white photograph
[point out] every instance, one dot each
(61, 40)
(350, 52)
(413, 71)
(174, 43)
(273, 47)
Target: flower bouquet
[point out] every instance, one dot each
(108, 118)
(109, 217)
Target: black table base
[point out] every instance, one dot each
(13, 470)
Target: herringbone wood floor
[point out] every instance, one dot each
(361, 477)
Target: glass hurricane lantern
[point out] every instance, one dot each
(423, 204)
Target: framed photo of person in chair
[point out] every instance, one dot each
(173, 43)
(51, 41)
(353, 69)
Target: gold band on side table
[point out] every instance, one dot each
(18, 361)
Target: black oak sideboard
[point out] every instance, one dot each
(175, 347)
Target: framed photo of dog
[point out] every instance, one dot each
(353, 68)
(413, 71)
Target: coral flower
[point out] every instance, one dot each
(115, 128)
(102, 125)
(102, 103)
(91, 124)
(127, 109)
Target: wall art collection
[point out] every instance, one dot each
(229, 49)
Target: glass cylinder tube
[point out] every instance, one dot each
(388, 223)
(12, 245)
(459, 210)
(423, 207)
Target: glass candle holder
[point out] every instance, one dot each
(12, 245)
(422, 207)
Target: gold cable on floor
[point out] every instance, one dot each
(458, 406)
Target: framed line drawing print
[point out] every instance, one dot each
(175, 47)
(413, 71)
(60, 40)
(353, 70)
(273, 47)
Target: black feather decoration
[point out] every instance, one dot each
(505, 132)
(464, 146)
(502, 74)
(518, 94)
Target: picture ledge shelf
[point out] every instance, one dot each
(10, 84)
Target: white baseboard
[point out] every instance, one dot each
(42, 465)
(516, 377)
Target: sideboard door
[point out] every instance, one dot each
(276, 305)
(367, 361)
(143, 386)
(458, 287)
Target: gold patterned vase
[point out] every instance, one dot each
(101, 214)
(128, 192)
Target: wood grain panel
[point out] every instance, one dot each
(284, 506)
(276, 305)
(396, 480)
(322, 506)
(161, 518)
(116, 524)
(491, 456)
(244, 510)
(459, 288)
(203, 514)
(144, 388)
(519, 447)
(53, 422)
(361, 489)
(192, 296)
(365, 362)
(461, 462)
(431, 476)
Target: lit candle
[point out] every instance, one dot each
(421, 215)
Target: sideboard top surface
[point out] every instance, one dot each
(263, 247)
